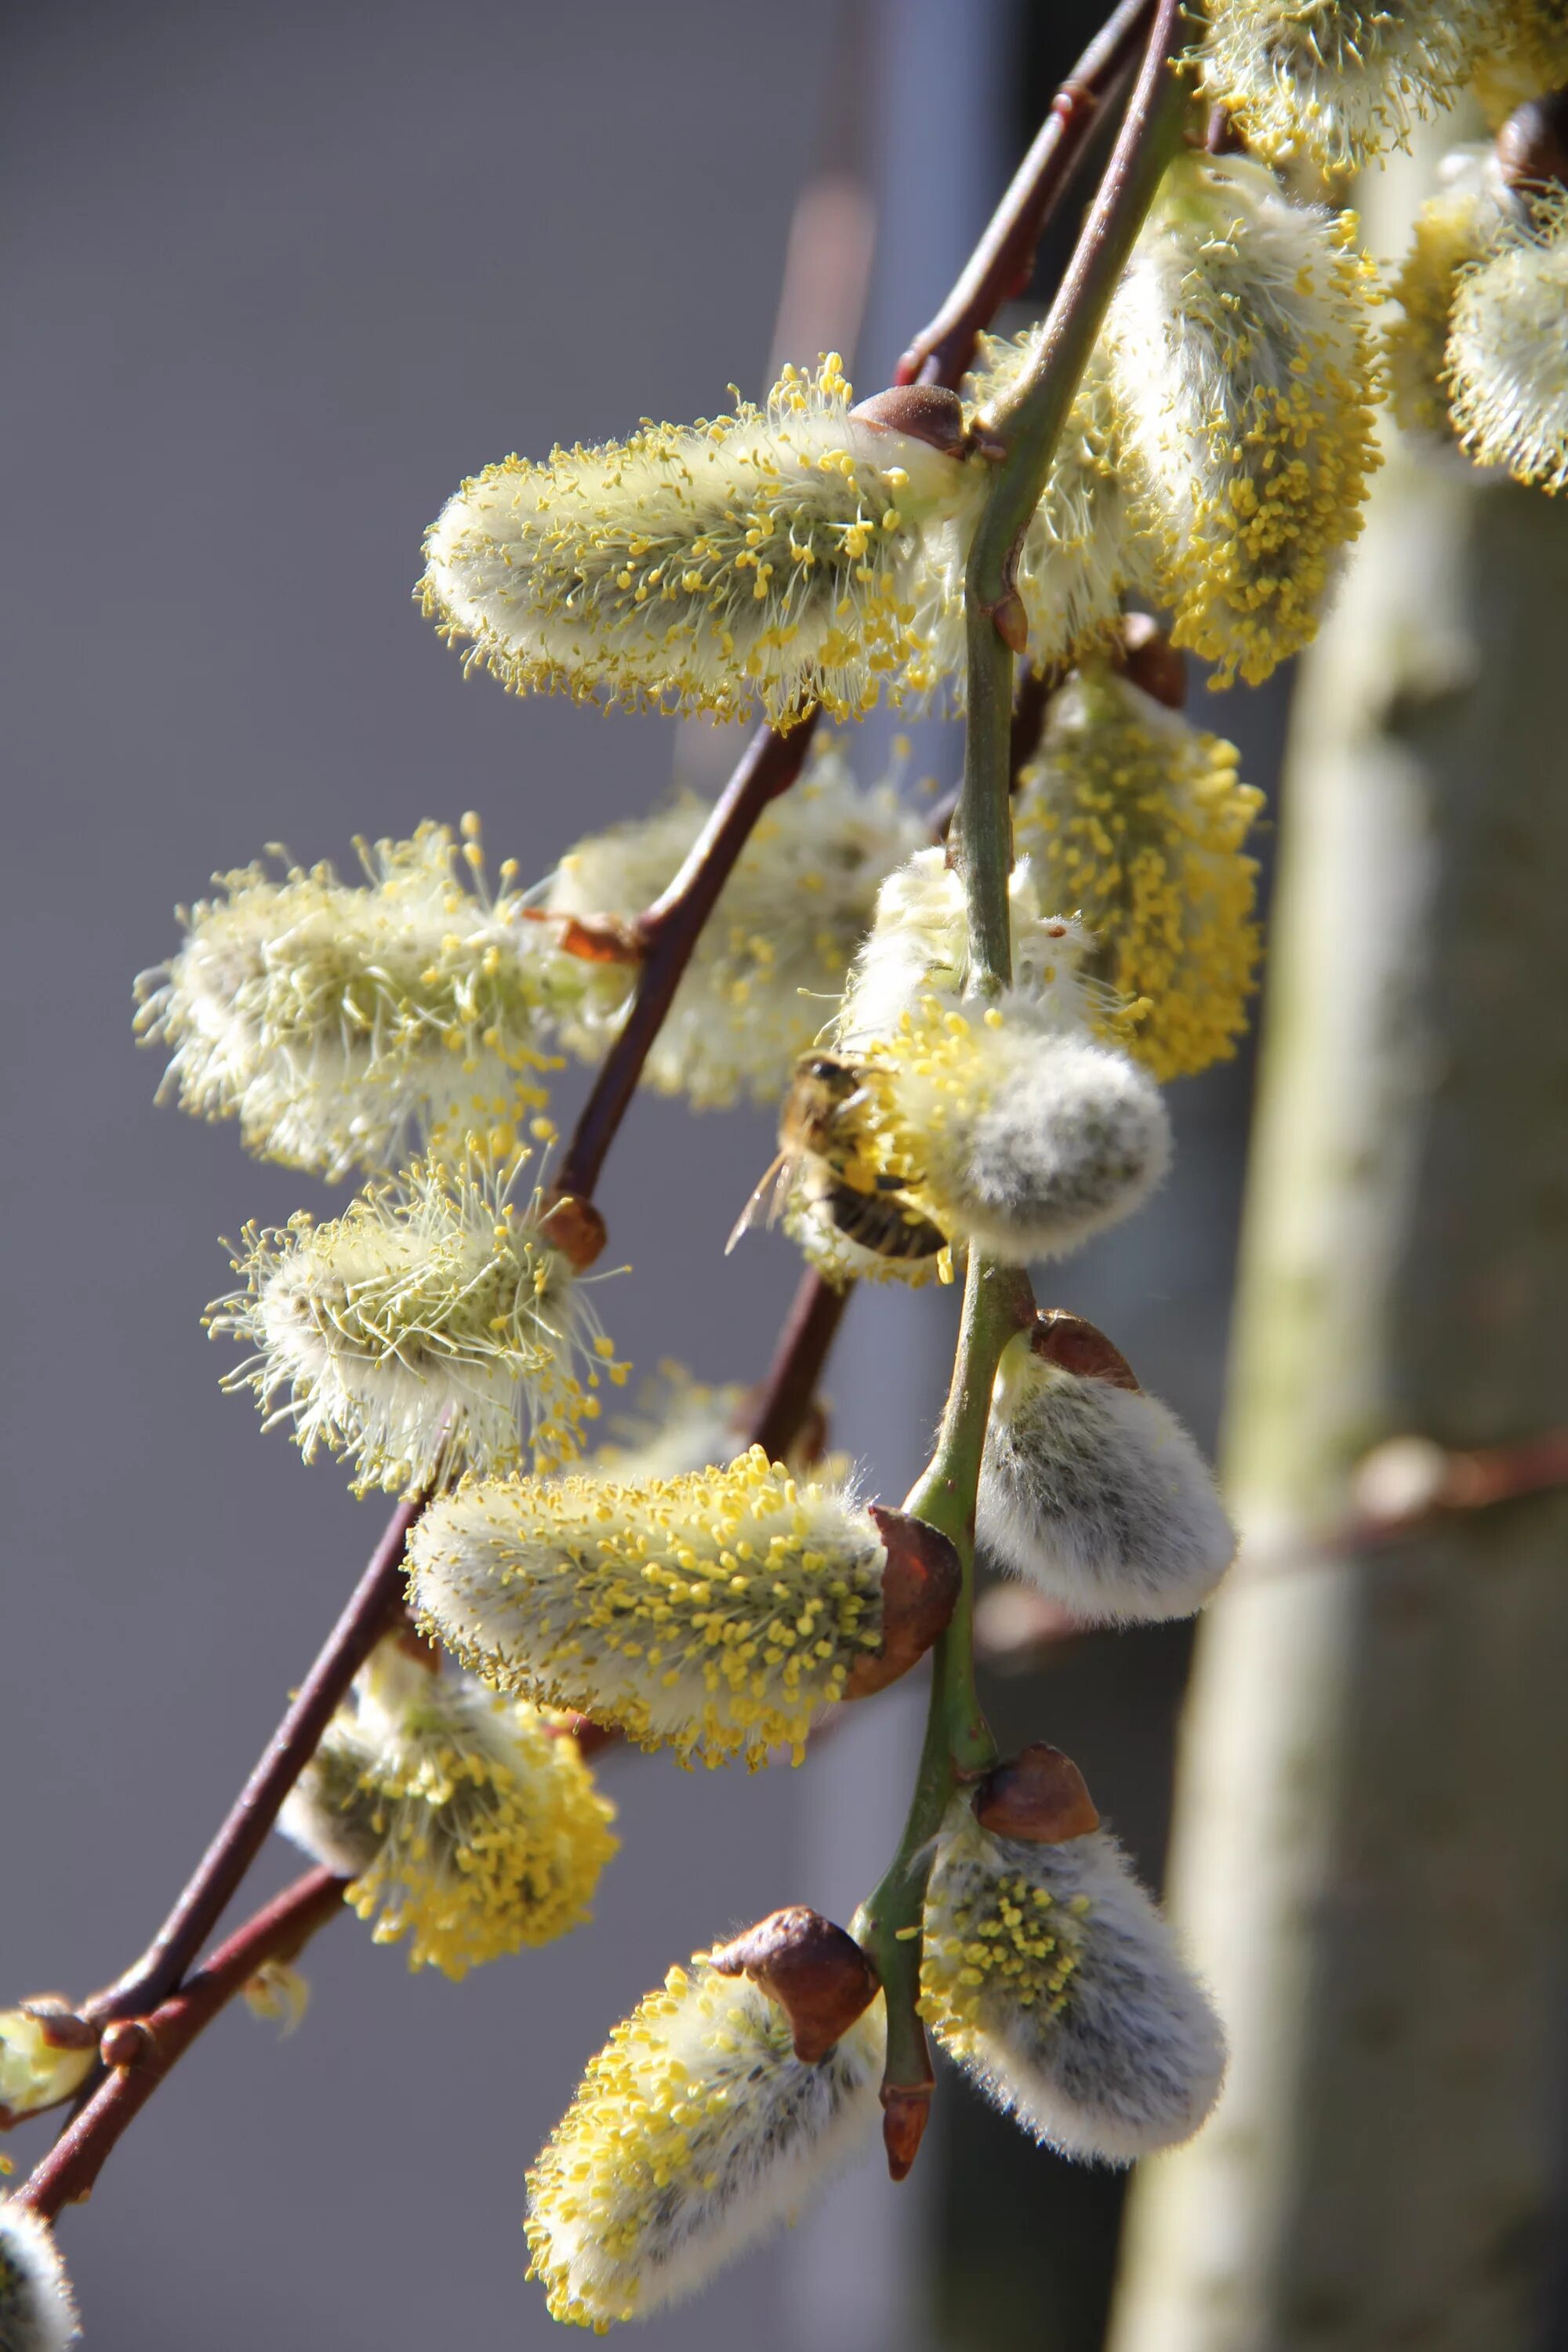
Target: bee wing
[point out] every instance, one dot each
(767, 1195)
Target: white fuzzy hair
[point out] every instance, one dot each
(1130, 2058)
(1096, 1496)
(38, 2310)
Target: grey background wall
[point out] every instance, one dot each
(275, 279)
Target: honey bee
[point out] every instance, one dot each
(820, 1153)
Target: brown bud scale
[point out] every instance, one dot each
(1075, 1345)
(574, 1226)
(1039, 1797)
(62, 2027)
(906, 2110)
(126, 2043)
(817, 1974)
(920, 1585)
(1532, 146)
(920, 412)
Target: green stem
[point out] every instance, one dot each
(998, 1301)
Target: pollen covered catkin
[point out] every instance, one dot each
(430, 1329)
(780, 555)
(1455, 229)
(1334, 80)
(38, 2311)
(333, 1019)
(1507, 384)
(1136, 820)
(1052, 1979)
(780, 940)
(469, 1823)
(696, 2130)
(1096, 1495)
(716, 1611)
(1242, 360)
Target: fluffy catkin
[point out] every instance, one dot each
(1243, 369)
(1334, 80)
(1455, 229)
(469, 1825)
(716, 1611)
(1524, 54)
(428, 1329)
(695, 2131)
(1507, 370)
(38, 2311)
(1052, 1978)
(781, 554)
(334, 1020)
(780, 940)
(1136, 820)
(1096, 1495)
(1009, 1131)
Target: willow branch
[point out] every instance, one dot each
(277, 1932)
(998, 1300)
(783, 1404)
(669, 932)
(1003, 262)
(371, 1608)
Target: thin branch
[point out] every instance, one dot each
(785, 1400)
(372, 1607)
(997, 1299)
(277, 1932)
(671, 929)
(1003, 262)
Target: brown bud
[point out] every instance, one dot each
(594, 938)
(574, 1226)
(817, 1974)
(1059, 1336)
(1012, 622)
(1038, 1797)
(1146, 656)
(905, 2110)
(921, 1584)
(126, 2043)
(63, 2027)
(1532, 146)
(922, 412)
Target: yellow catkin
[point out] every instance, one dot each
(1508, 383)
(1336, 81)
(716, 1612)
(1452, 231)
(772, 554)
(1525, 55)
(332, 1018)
(472, 1825)
(694, 2130)
(430, 1329)
(1136, 820)
(1245, 377)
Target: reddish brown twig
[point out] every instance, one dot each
(372, 1607)
(785, 1400)
(277, 1932)
(671, 929)
(1004, 260)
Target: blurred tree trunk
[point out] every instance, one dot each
(1371, 1857)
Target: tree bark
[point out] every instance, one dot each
(1371, 1856)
